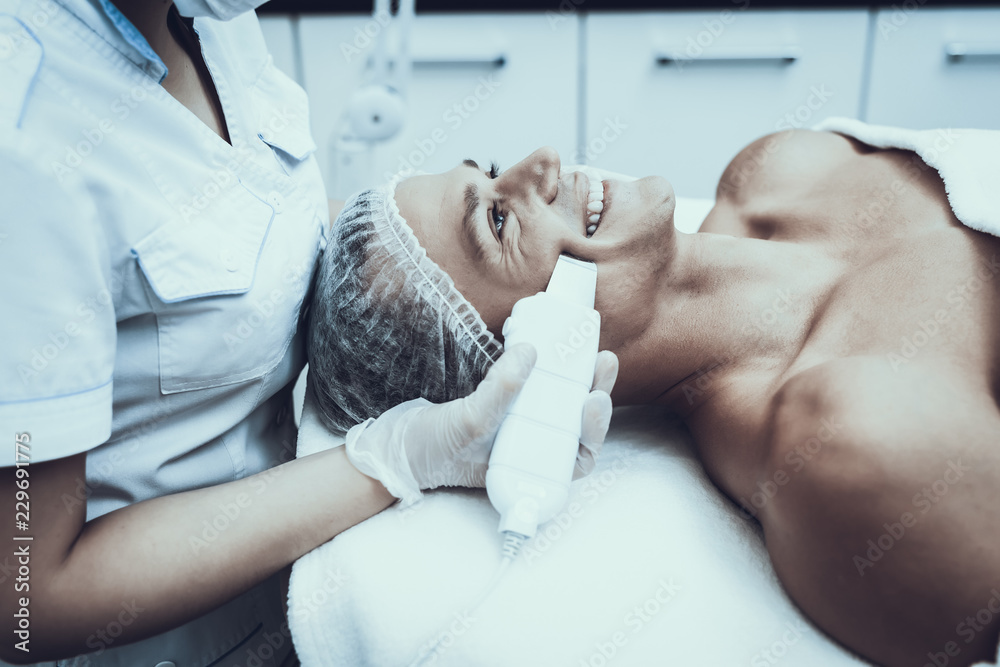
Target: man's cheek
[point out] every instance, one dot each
(494, 305)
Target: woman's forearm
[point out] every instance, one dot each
(177, 557)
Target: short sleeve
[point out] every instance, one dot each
(57, 320)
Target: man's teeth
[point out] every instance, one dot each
(595, 203)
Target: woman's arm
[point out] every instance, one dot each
(171, 559)
(156, 558)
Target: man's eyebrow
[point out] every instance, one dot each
(473, 231)
(469, 162)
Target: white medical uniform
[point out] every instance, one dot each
(152, 278)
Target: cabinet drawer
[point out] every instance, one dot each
(936, 68)
(688, 90)
(484, 86)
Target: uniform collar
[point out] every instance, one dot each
(103, 17)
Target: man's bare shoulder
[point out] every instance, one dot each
(865, 401)
(775, 172)
(789, 156)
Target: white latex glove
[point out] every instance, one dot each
(596, 414)
(421, 445)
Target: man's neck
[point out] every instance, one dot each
(731, 305)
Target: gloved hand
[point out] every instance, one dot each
(420, 445)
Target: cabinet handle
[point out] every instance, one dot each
(487, 59)
(960, 50)
(784, 55)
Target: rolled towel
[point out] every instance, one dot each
(967, 160)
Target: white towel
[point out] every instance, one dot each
(968, 162)
(649, 562)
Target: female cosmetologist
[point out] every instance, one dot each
(163, 218)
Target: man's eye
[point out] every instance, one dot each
(498, 219)
(495, 170)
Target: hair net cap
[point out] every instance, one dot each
(387, 324)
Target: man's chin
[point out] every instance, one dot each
(658, 194)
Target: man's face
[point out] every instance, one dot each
(499, 235)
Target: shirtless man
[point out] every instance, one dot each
(831, 337)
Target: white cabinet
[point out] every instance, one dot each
(484, 86)
(675, 93)
(687, 90)
(936, 68)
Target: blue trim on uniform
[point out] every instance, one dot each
(34, 77)
(200, 295)
(132, 35)
(52, 398)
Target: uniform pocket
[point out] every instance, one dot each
(219, 320)
(283, 117)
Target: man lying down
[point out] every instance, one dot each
(797, 312)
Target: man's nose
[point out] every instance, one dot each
(542, 171)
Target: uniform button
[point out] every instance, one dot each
(229, 261)
(165, 663)
(276, 201)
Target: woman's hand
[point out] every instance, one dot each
(419, 445)
(596, 413)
